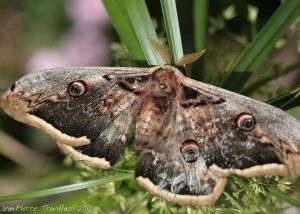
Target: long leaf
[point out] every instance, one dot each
(172, 27)
(235, 203)
(287, 101)
(121, 23)
(137, 203)
(200, 14)
(65, 189)
(284, 197)
(273, 75)
(132, 21)
(262, 44)
(295, 112)
(200, 23)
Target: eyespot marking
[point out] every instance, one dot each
(190, 151)
(245, 121)
(77, 88)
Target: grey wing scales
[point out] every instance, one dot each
(270, 148)
(94, 124)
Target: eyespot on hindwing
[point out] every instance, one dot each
(190, 151)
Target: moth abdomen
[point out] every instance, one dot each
(144, 131)
(150, 120)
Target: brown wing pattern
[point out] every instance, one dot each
(85, 109)
(245, 137)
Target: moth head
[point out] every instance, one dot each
(12, 88)
(164, 83)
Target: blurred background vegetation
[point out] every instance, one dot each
(40, 34)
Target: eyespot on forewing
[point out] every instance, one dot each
(77, 88)
(245, 121)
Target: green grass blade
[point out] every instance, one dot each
(287, 101)
(200, 14)
(144, 29)
(200, 23)
(121, 23)
(295, 112)
(262, 44)
(284, 197)
(138, 203)
(133, 23)
(275, 74)
(172, 27)
(65, 189)
(235, 203)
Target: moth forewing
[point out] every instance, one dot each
(274, 128)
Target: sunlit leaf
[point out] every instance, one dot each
(133, 23)
(172, 27)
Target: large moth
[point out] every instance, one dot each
(190, 135)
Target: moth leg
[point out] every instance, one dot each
(130, 87)
(192, 102)
(200, 101)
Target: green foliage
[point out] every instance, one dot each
(132, 21)
(200, 21)
(44, 29)
(64, 189)
(262, 45)
(288, 100)
(172, 28)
